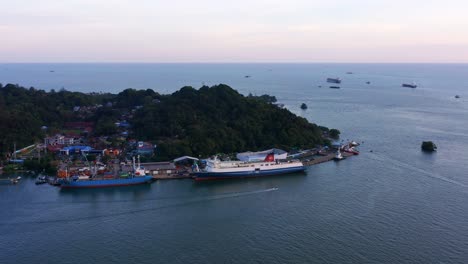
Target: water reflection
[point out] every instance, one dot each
(136, 192)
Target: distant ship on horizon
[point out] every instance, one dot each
(333, 80)
(409, 85)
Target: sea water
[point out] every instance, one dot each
(391, 204)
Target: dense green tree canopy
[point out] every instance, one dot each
(24, 111)
(188, 122)
(219, 119)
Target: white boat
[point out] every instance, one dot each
(216, 169)
(338, 156)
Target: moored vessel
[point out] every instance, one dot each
(41, 179)
(137, 176)
(75, 182)
(216, 169)
(338, 156)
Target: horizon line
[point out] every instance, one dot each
(227, 62)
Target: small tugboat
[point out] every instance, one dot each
(338, 156)
(409, 85)
(41, 179)
(333, 80)
(457, 96)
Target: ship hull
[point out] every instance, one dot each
(332, 80)
(106, 183)
(202, 176)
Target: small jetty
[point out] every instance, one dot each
(325, 154)
(172, 176)
(8, 181)
(321, 159)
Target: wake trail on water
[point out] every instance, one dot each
(181, 204)
(159, 198)
(408, 166)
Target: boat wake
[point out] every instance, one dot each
(180, 204)
(407, 166)
(158, 198)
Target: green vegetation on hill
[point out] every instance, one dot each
(24, 111)
(188, 122)
(219, 119)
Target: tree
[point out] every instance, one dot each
(334, 133)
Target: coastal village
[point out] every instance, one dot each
(77, 153)
(83, 153)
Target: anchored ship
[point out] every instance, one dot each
(216, 169)
(136, 177)
(409, 85)
(333, 80)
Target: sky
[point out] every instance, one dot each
(358, 31)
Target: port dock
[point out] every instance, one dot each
(314, 157)
(172, 176)
(317, 159)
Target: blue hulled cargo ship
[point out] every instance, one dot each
(137, 176)
(75, 182)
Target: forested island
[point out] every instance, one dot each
(198, 122)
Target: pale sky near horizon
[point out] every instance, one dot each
(235, 31)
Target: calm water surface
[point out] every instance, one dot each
(392, 205)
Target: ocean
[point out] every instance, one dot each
(391, 204)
